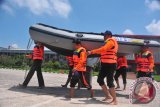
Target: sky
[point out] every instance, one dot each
(140, 17)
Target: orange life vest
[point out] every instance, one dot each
(137, 59)
(110, 56)
(38, 52)
(122, 62)
(143, 62)
(78, 60)
(70, 60)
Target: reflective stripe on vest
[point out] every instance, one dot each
(37, 53)
(110, 55)
(143, 62)
(76, 58)
(70, 60)
(121, 62)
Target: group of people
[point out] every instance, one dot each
(109, 64)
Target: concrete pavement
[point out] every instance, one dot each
(54, 95)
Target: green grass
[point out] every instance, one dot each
(157, 78)
(65, 71)
(95, 73)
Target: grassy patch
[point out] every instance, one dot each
(157, 78)
(95, 73)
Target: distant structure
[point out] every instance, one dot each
(1, 48)
(10, 51)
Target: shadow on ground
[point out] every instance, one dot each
(61, 92)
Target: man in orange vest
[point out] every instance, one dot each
(79, 68)
(70, 64)
(121, 70)
(145, 62)
(37, 57)
(108, 65)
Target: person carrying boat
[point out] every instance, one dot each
(108, 65)
(79, 68)
(145, 62)
(37, 57)
(121, 70)
(91, 62)
(70, 64)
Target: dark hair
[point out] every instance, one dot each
(35, 42)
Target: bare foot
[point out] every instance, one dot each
(107, 98)
(124, 89)
(114, 102)
(92, 93)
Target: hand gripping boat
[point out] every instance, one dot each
(60, 40)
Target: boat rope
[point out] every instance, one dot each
(26, 52)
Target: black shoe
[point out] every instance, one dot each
(65, 86)
(89, 87)
(41, 87)
(22, 86)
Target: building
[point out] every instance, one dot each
(48, 55)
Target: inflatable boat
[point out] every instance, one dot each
(60, 40)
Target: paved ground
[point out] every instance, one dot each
(53, 95)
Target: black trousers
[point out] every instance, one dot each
(79, 76)
(70, 71)
(35, 67)
(121, 71)
(107, 70)
(88, 75)
(144, 74)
